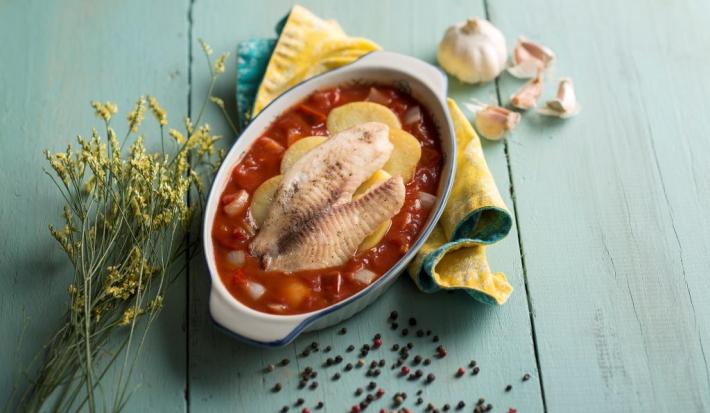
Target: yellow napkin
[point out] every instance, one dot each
(453, 257)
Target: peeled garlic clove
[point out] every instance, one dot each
(526, 97)
(493, 122)
(529, 58)
(473, 51)
(565, 104)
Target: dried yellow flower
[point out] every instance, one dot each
(136, 116)
(205, 47)
(160, 115)
(104, 110)
(219, 63)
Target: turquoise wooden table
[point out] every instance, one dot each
(609, 256)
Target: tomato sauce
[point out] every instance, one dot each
(304, 291)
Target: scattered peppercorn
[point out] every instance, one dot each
(435, 339)
(360, 363)
(430, 377)
(427, 362)
(429, 407)
(276, 388)
(285, 362)
(419, 401)
(302, 383)
(526, 376)
(395, 347)
(481, 401)
(393, 315)
(284, 409)
(418, 374)
(475, 370)
(380, 392)
(327, 349)
(508, 388)
(369, 398)
(472, 363)
(405, 331)
(348, 366)
(410, 345)
(446, 407)
(404, 370)
(336, 376)
(419, 392)
(460, 405)
(460, 372)
(358, 391)
(355, 409)
(338, 359)
(313, 385)
(305, 410)
(428, 333)
(306, 353)
(377, 343)
(299, 401)
(394, 326)
(512, 410)
(343, 331)
(441, 351)
(319, 405)
(350, 348)
(417, 359)
(269, 368)
(420, 333)
(398, 400)
(381, 363)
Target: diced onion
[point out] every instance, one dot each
(378, 97)
(364, 276)
(236, 206)
(412, 115)
(255, 290)
(428, 200)
(236, 258)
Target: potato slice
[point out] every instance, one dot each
(298, 149)
(263, 197)
(405, 156)
(379, 232)
(351, 114)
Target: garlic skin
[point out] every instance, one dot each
(529, 58)
(473, 51)
(526, 97)
(565, 104)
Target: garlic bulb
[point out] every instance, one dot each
(473, 51)
(565, 104)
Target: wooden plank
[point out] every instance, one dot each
(612, 204)
(226, 375)
(54, 60)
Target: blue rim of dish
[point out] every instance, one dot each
(394, 271)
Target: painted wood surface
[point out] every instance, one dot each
(612, 294)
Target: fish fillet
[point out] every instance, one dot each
(313, 222)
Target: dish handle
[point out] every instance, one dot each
(428, 73)
(251, 326)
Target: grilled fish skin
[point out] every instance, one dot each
(313, 222)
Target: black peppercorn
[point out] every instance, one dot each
(343, 331)
(336, 376)
(358, 391)
(299, 401)
(285, 362)
(460, 405)
(276, 388)
(412, 321)
(435, 339)
(526, 377)
(430, 377)
(319, 405)
(350, 348)
(405, 331)
(393, 315)
(475, 370)
(508, 388)
(348, 367)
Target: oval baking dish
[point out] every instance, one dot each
(424, 83)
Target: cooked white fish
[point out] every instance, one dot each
(313, 222)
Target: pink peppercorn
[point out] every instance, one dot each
(404, 370)
(380, 392)
(305, 410)
(460, 372)
(377, 343)
(355, 409)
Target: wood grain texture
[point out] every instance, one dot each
(54, 60)
(612, 204)
(226, 375)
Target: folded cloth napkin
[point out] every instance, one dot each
(454, 255)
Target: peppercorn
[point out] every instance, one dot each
(412, 321)
(404, 370)
(481, 401)
(429, 407)
(441, 351)
(269, 368)
(338, 359)
(420, 333)
(285, 362)
(419, 392)
(418, 373)
(358, 391)
(395, 347)
(360, 363)
(526, 377)
(313, 385)
(475, 370)
(460, 372)
(305, 410)
(419, 401)
(319, 405)
(377, 372)
(327, 349)
(382, 363)
(373, 364)
(508, 388)
(398, 400)
(343, 331)
(435, 339)
(472, 363)
(405, 331)
(299, 401)
(284, 409)
(377, 343)
(355, 409)
(478, 409)
(417, 359)
(276, 388)
(430, 377)
(314, 374)
(393, 315)
(460, 405)
(489, 407)
(427, 362)
(336, 376)
(306, 353)
(428, 333)
(369, 398)
(350, 348)
(410, 345)
(302, 384)
(446, 407)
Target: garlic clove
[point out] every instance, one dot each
(493, 122)
(565, 104)
(526, 97)
(473, 51)
(529, 58)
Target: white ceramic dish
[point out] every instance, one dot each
(426, 84)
